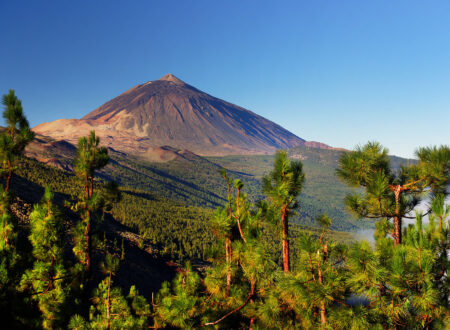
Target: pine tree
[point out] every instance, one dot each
(389, 194)
(402, 283)
(46, 282)
(331, 286)
(224, 221)
(435, 168)
(90, 158)
(183, 305)
(7, 229)
(282, 187)
(179, 304)
(441, 238)
(110, 309)
(10, 259)
(253, 272)
(111, 195)
(13, 140)
(15, 137)
(314, 292)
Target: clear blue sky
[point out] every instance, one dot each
(339, 72)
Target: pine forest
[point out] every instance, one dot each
(112, 242)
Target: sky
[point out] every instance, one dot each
(339, 72)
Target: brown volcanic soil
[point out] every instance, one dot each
(48, 151)
(169, 112)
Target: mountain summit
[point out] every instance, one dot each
(172, 78)
(169, 112)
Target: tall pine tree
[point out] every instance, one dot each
(47, 281)
(90, 158)
(282, 187)
(13, 140)
(390, 194)
(15, 137)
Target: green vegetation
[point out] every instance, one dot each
(12, 254)
(310, 278)
(332, 286)
(282, 186)
(47, 281)
(391, 194)
(110, 309)
(322, 192)
(90, 157)
(15, 137)
(195, 181)
(249, 288)
(54, 289)
(191, 182)
(171, 228)
(174, 229)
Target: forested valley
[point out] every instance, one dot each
(240, 257)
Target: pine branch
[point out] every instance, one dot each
(414, 182)
(250, 295)
(46, 290)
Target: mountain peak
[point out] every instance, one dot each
(170, 77)
(169, 112)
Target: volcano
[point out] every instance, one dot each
(169, 112)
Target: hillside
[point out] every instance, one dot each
(152, 227)
(193, 180)
(322, 192)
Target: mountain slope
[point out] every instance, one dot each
(194, 180)
(169, 112)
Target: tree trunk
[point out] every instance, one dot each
(325, 252)
(228, 245)
(319, 270)
(420, 259)
(397, 231)
(87, 237)
(322, 310)
(92, 186)
(228, 259)
(397, 217)
(252, 322)
(311, 267)
(87, 188)
(239, 216)
(323, 315)
(284, 223)
(8, 179)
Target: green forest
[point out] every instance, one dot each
(256, 248)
